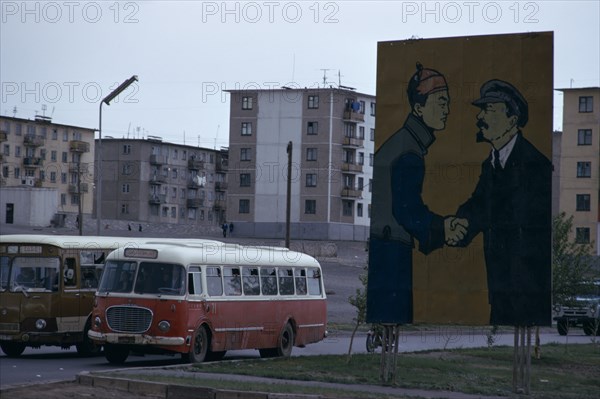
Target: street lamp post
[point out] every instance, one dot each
(106, 100)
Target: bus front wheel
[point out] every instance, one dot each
(87, 347)
(199, 347)
(12, 349)
(116, 354)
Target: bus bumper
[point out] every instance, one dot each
(134, 339)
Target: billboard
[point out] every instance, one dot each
(461, 209)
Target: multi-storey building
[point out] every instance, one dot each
(148, 180)
(47, 169)
(332, 135)
(580, 162)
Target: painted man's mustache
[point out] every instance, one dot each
(481, 124)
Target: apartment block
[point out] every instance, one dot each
(148, 180)
(579, 177)
(46, 169)
(331, 131)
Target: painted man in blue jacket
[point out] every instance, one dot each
(399, 215)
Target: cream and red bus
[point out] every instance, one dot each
(203, 300)
(47, 287)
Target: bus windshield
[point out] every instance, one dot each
(152, 278)
(34, 274)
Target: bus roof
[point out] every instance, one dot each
(217, 253)
(76, 242)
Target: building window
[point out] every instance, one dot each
(361, 184)
(246, 103)
(244, 206)
(371, 159)
(582, 235)
(63, 178)
(65, 135)
(54, 134)
(124, 209)
(310, 207)
(126, 169)
(17, 151)
(245, 154)
(586, 104)
(372, 109)
(126, 149)
(63, 199)
(362, 107)
(18, 129)
(311, 154)
(584, 137)
(174, 173)
(18, 173)
(125, 188)
(43, 154)
(165, 211)
(5, 171)
(313, 102)
(245, 179)
(44, 132)
(77, 135)
(583, 202)
(6, 150)
(182, 193)
(31, 130)
(312, 128)
(174, 192)
(359, 210)
(361, 132)
(361, 158)
(173, 212)
(175, 154)
(584, 169)
(53, 156)
(311, 180)
(53, 177)
(65, 157)
(246, 128)
(372, 135)
(42, 175)
(184, 156)
(349, 130)
(347, 207)
(75, 199)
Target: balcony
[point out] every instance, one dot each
(74, 189)
(3, 136)
(79, 167)
(351, 116)
(79, 146)
(31, 140)
(351, 193)
(352, 142)
(33, 162)
(158, 180)
(220, 204)
(220, 186)
(195, 202)
(157, 159)
(222, 166)
(194, 164)
(157, 199)
(351, 168)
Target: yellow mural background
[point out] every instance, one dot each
(449, 285)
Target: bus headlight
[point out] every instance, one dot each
(97, 322)
(40, 324)
(164, 326)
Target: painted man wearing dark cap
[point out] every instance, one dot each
(398, 215)
(511, 207)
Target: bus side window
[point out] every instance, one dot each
(314, 282)
(250, 281)
(195, 281)
(70, 275)
(268, 281)
(213, 281)
(88, 277)
(286, 282)
(232, 280)
(300, 281)
(4, 268)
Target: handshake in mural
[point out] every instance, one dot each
(455, 229)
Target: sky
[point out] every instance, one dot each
(61, 58)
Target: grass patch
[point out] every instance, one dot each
(562, 372)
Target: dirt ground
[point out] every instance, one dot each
(66, 390)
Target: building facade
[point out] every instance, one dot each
(148, 180)
(579, 176)
(331, 132)
(54, 158)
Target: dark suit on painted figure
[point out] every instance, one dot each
(511, 207)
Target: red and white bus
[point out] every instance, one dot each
(202, 299)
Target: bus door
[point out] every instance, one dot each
(91, 266)
(70, 306)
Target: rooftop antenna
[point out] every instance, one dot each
(198, 140)
(14, 111)
(184, 137)
(339, 78)
(293, 67)
(325, 76)
(217, 135)
(44, 110)
(128, 129)
(572, 80)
